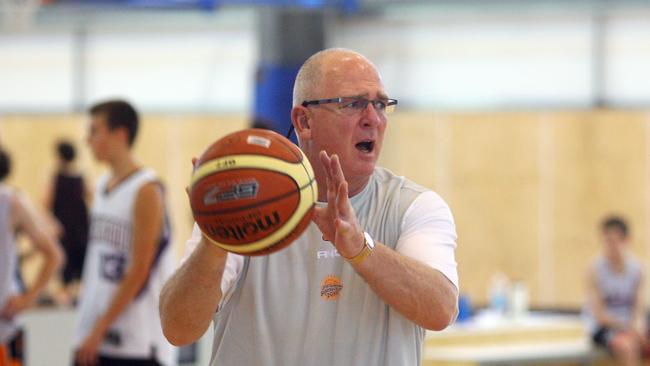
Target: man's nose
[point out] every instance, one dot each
(371, 115)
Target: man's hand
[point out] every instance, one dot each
(338, 222)
(86, 354)
(15, 305)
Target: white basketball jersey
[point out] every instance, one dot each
(137, 332)
(8, 263)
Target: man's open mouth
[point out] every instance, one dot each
(365, 146)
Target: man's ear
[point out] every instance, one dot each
(301, 120)
(123, 134)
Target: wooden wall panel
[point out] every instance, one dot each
(495, 183)
(527, 189)
(165, 143)
(601, 169)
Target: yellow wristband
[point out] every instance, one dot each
(368, 246)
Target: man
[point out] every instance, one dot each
(66, 198)
(367, 302)
(17, 214)
(128, 256)
(614, 311)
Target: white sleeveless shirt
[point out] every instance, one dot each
(8, 262)
(137, 332)
(619, 290)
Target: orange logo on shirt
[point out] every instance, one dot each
(330, 288)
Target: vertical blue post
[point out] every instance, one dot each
(287, 37)
(273, 95)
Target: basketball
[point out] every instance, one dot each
(253, 192)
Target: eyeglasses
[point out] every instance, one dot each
(353, 105)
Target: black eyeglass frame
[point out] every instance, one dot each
(389, 102)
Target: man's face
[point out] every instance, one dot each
(100, 137)
(614, 241)
(355, 135)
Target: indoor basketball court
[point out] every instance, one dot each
(528, 120)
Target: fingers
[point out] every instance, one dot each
(9, 312)
(11, 308)
(331, 194)
(85, 357)
(337, 186)
(320, 215)
(324, 157)
(342, 204)
(337, 220)
(89, 360)
(335, 170)
(325, 161)
(187, 188)
(332, 166)
(80, 359)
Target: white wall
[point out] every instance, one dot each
(429, 59)
(36, 71)
(195, 68)
(473, 63)
(628, 65)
